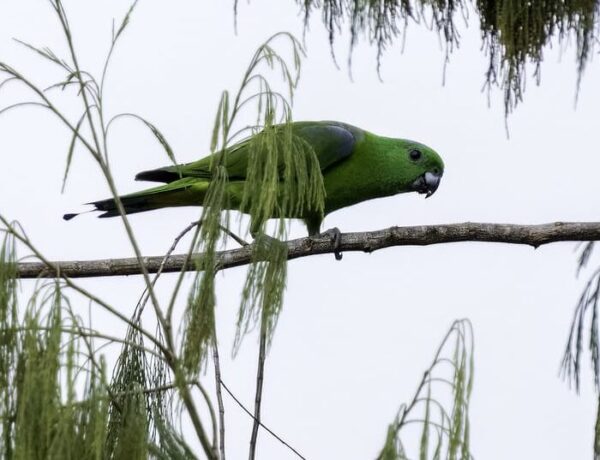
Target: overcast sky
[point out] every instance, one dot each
(354, 337)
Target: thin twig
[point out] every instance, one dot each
(104, 166)
(423, 235)
(217, 365)
(213, 418)
(260, 377)
(145, 295)
(57, 273)
(95, 147)
(239, 403)
(78, 331)
(179, 281)
(146, 391)
(236, 238)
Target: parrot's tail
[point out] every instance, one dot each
(131, 205)
(155, 198)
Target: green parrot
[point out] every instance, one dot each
(356, 166)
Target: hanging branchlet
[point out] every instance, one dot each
(55, 400)
(262, 181)
(514, 33)
(126, 428)
(172, 446)
(442, 398)
(262, 296)
(9, 344)
(584, 325)
(54, 404)
(131, 409)
(91, 130)
(277, 179)
(282, 176)
(283, 179)
(584, 255)
(83, 415)
(199, 320)
(38, 385)
(99, 424)
(136, 414)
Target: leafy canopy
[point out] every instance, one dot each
(515, 33)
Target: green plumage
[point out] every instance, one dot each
(356, 166)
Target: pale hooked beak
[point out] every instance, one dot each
(427, 183)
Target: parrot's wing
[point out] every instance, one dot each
(330, 141)
(200, 169)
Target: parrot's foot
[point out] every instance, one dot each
(336, 238)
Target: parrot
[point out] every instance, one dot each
(356, 166)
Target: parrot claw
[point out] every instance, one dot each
(336, 238)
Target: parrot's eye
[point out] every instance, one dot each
(415, 154)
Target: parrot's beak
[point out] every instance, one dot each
(427, 184)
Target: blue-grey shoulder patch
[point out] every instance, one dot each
(333, 142)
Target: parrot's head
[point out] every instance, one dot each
(424, 168)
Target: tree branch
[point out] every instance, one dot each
(422, 235)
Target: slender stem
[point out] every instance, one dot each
(211, 411)
(106, 171)
(236, 238)
(182, 271)
(260, 376)
(83, 92)
(79, 331)
(145, 295)
(96, 152)
(218, 380)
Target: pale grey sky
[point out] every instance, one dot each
(354, 337)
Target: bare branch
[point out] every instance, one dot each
(422, 235)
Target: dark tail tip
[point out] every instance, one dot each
(158, 175)
(70, 216)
